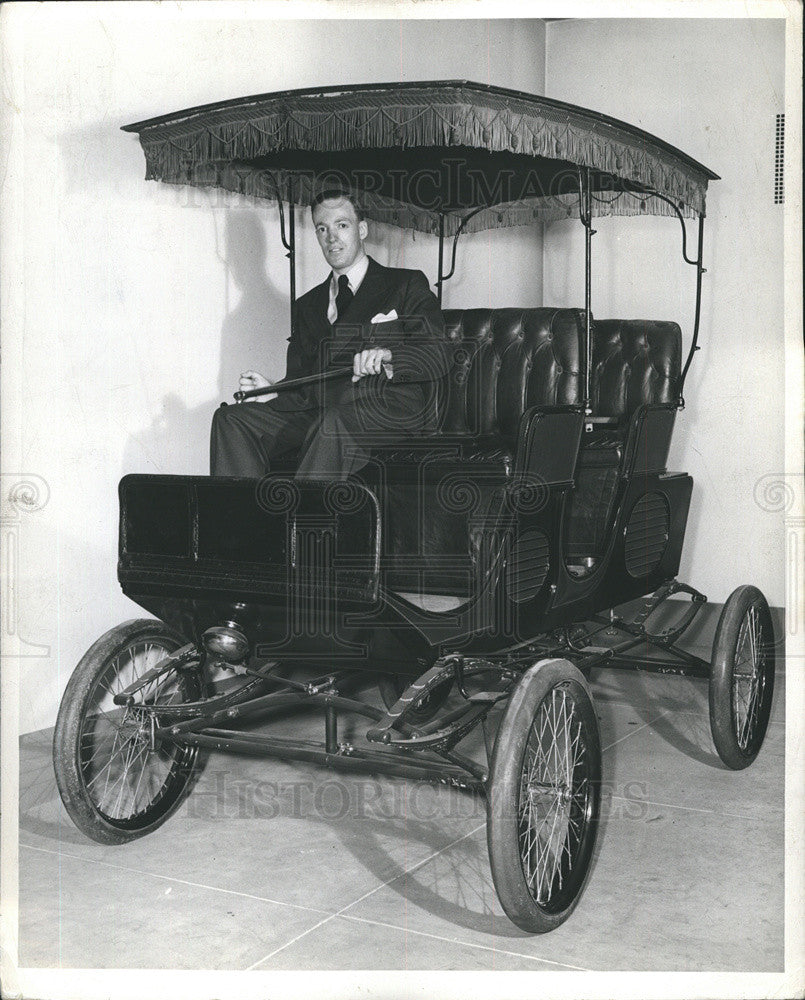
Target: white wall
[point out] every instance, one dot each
(712, 88)
(130, 307)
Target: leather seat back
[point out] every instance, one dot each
(635, 361)
(505, 360)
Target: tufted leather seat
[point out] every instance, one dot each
(502, 362)
(634, 361)
(505, 360)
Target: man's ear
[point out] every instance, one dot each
(363, 229)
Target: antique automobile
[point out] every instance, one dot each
(476, 571)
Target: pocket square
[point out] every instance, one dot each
(384, 317)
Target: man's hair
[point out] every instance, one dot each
(335, 193)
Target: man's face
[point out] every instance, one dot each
(339, 233)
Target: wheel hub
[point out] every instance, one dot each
(138, 726)
(561, 791)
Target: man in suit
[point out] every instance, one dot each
(384, 322)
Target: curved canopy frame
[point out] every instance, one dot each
(425, 155)
(445, 157)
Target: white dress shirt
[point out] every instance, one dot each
(355, 275)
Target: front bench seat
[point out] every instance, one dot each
(502, 361)
(435, 490)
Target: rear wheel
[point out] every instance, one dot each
(742, 677)
(115, 782)
(544, 796)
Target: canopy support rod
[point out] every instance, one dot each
(289, 241)
(656, 194)
(281, 207)
(459, 231)
(694, 344)
(440, 280)
(291, 247)
(700, 270)
(585, 214)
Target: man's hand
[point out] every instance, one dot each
(254, 380)
(371, 362)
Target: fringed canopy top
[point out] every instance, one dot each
(416, 153)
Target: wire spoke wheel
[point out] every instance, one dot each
(554, 796)
(116, 778)
(742, 677)
(544, 801)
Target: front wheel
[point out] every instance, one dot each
(115, 781)
(742, 677)
(544, 796)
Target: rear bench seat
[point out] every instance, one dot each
(635, 361)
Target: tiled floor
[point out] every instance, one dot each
(272, 865)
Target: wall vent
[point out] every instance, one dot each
(779, 158)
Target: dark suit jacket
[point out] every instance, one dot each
(415, 338)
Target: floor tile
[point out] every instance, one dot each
(661, 897)
(81, 914)
(292, 832)
(348, 943)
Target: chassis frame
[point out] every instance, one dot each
(425, 750)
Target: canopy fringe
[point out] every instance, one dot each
(190, 150)
(257, 184)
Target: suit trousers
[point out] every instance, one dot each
(335, 439)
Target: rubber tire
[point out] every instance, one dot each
(504, 790)
(66, 737)
(723, 723)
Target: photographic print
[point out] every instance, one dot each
(402, 500)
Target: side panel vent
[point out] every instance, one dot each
(646, 535)
(779, 161)
(527, 568)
